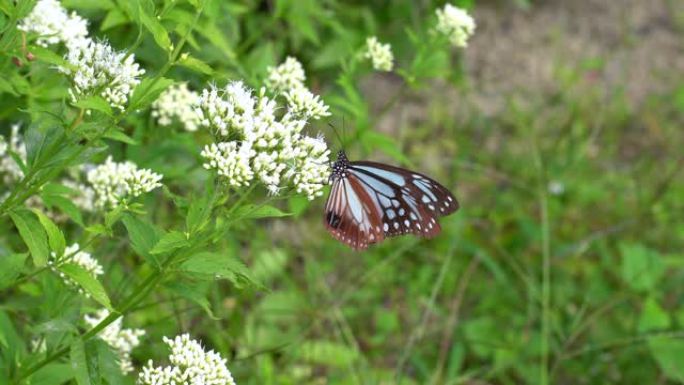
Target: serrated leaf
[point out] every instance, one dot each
(108, 361)
(84, 362)
(143, 236)
(147, 92)
(152, 24)
(220, 266)
(195, 64)
(54, 374)
(258, 211)
(198, 213)
(55, 236)
(114, 133)
(33, 235)
(95, 102)
(196, 293)
(65, 205)
(91, 285)
(10, 267)
(169, 242)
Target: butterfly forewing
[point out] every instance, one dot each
(370, 201)
(409, 201)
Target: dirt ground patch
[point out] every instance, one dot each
(635, 47)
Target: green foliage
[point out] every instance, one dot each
(257, 278)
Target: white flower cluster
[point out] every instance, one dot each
(456, 24)
(288, 79)
(123, 341)
(74, 254)
(83, 196)
(51, 22)
(302, 102)
(190, 364)
(288, 75)
(309, 172)
(95, 68)
(114, 182)
(9, 169)
(177, 102)
(380, 54)
(255, 143)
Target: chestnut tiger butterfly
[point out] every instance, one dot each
(371, 201)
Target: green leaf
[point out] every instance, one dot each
(65, 205)
(668, 353)
(196, 292)
(84, 362)
(198, 213)
(10, 267)
(48, 56)
(143, 236)
(55, 236)
(219, 266)
(108, 362)
(54, 374)
(195, 64)
(257, 211)
(653, 317)
(642, 268)
(95, 102)
(113, 19)
(91, 285)
(150, 21)
(170, 242)
(33, 235)
(326, 353)
(115, 134)
(147, 92)
(384, 143)
(113, 216)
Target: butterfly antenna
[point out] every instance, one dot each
(337, 134)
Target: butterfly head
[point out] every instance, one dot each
(339, 168)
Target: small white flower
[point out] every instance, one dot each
(456, 24)
(9, 169)
(286, 76)
(380, 54)
(556, 187)
(177, 102)
(190, 364)
(95, 68)
(302, 102)
(51, 22)
(123, 341)
(230, 160)
(114, 182)
(311, 169)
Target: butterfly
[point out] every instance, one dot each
(371, 201)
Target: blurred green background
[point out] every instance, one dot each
(559, 129)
